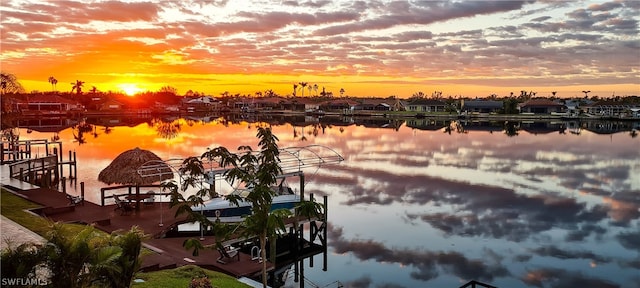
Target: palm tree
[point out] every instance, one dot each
(256, 169)
(21, 261)
(310, 88)
(586, 92)
(53, 82)
(342, 92)
(295, 88)
(129, 261)
(315, 88)
(74, 258)
(9, 84)
(418, 95)
(77, 86)
(303, 85)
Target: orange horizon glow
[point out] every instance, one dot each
(398, 50)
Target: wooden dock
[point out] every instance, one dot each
(165, 253)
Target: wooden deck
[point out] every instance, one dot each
(167, 252)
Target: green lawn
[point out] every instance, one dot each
(180, 277)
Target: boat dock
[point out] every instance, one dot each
(156, 219)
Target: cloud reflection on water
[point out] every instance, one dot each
(507, 210)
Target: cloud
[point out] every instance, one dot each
(426, 263)
(630, 240)
(404, 13)
(563, 253)
(549, 277)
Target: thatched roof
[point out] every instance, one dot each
(124, 169)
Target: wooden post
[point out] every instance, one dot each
(64, 185)
(82, 192)
(324, 233)
(70, 171)
(301, 186)
(60, 148)
(75, 167)
(101, 196)
(302, 273)
(137, 197)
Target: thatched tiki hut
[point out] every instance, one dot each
(124, 170)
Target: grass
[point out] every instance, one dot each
(181, 277)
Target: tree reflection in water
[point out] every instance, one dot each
(166, 129)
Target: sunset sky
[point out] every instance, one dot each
(369, 48)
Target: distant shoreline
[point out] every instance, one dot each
(357, 113)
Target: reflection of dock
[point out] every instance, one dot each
(25, 162)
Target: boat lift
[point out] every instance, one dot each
(294, 161)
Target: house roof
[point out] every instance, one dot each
(340, 102)
(609, 104)
(270, 100)
(482, 104)
(48, 99)
(203, 99)
(540, 103)
(427, 102)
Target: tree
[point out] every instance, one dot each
(342, 92)
(586, 92)
(24, 260)
(418, 95)
(315, 88)
(303, 85)
(53, 82)
(295, 88)
(510, 106)
(511, 128)
(77, 86)
(127, 264)
(270, 93)
(9, 84)
(169, 90)
(258, 170)
(74, 259)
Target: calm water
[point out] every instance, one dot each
(419, 205)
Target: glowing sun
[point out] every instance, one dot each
(130, 89)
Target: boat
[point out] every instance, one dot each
(221, 209)
(293, 161)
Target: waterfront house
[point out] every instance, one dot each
(612, 109)
(426, 105)
(427, 124)
(304, 104)
(268, 103)
(481, 106)
(339, 104)
(46, 105)
(111, 106)
(375, 105)
(202, 103)
(541, 106)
